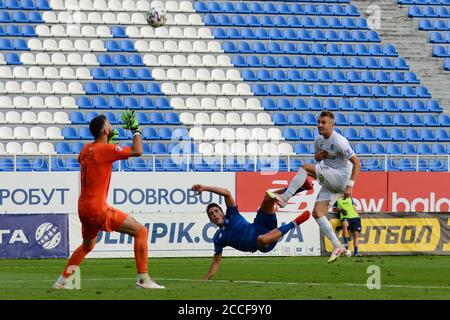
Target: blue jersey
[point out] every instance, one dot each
(236, 232)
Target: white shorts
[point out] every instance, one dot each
(333, 182)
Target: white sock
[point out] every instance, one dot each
(143, 277)
(327, 230)
(61, 280)
(296, 183)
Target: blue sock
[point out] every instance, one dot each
(346, 241)
(356, 250)
(285, 228)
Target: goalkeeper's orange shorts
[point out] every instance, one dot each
(109, 219)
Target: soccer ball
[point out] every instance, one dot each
(156, 17)
(348, 253)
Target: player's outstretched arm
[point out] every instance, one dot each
(229, 200)
(136, 146)
(214, 266)
(355, 173)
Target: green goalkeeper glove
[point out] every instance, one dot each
(112, 139)
(130, 121)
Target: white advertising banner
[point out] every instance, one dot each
(190, 235)
(153, 192)
(38, 192)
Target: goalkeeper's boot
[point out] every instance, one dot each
(147, 284)
(61, 283)
(336, 254)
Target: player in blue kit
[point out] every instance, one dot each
(235, 231)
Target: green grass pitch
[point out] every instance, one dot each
(402, 277)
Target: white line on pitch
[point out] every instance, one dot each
(250, 282)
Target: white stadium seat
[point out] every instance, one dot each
(13, 148)
(54, 133)
(45, 117)
(187, 118)
(29, 117)
(249, 119)
(212, 134)
(30, 148)
(143, 5)
(21, 133)
(36, 102)
(285, 149)
(208, 104)
(206, 148)
(52, 103)
(178, 103)
(69, 102)
(192, 103)
(196, 133)
(6, 133)
(20, 102)
(274, 134)
(218, 118)
(227, 134)
(243, 134)
(233, 119)
(259, 134)
(199, 89)
(202, 118)
(47, 147)
(6, 102)
(13, 117)
(38, 133)
(61, 118)
(264, 119)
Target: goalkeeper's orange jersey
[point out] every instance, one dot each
(96, 160)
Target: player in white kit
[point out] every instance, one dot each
(337, 170)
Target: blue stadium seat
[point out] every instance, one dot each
(294, 119)
(412, 135)
(279, 119)
(77, 118)
(76, 147)
(437, 148)
(58, 164)
(355, 119)
(400, 120)
(141, 117)
(172, 118)
(99, 74)
(377, 148)
(408, 149)
(366, 134)
(39, 165)
(111, 117)
(118, 32)
(290, 134)
(85, 134)
(393, 148)
(156, 118)
(340, 119)
(305, 134)
(12, 58)
(299, 105)
(263, 75)
(424, 149)
(69, 133)
(351, 134)
(72, 164)
(114, 74)
(63, 148)
(397, 135)
(150, 133)
(382, 134)
(130, 74)
(442, 135)
(362, 148)
(120, 60)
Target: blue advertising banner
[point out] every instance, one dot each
(34, 236)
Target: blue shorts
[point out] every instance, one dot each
(354, 224)
(264, 223)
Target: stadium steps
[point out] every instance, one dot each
(413, 45)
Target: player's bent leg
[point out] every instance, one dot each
(299, 183)
(274, 235)
(139, 232)
(75, 260)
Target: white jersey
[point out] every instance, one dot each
(337, 149)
